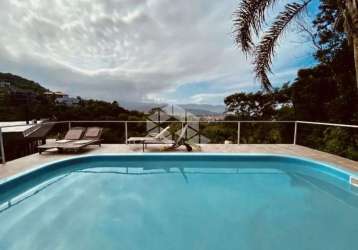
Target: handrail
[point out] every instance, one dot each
(183, 121)
(329, 124)
(2, 150)
(238, 122)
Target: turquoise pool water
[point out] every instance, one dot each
(159, 202)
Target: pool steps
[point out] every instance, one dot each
(354, 181)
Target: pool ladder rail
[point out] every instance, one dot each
(354, 181)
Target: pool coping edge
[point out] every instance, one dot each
(352, 176)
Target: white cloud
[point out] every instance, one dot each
(130, 50)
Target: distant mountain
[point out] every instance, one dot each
(196, 109)
(201, 112)
(205, 108)
(22, 83)
(140, 106)
(19, 82)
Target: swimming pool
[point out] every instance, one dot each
(180, 201)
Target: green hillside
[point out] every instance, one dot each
(22, 83)
(40, 106)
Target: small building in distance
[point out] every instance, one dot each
(61, 98)
(54, 94)
(4, 84)
(67, 101)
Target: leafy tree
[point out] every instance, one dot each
(276, 105)
(326, 92)
(259, 105)
(314, 96)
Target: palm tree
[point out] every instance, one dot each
(250, 17)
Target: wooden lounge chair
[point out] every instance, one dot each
(72, 134)
(92, 136)
(174, 144)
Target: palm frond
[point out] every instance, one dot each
(265, 50)
(348, 24)
(248, 19)
(339, 22)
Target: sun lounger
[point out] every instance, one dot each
(92, 136)
(71, 135)
(159, 136)
(174, 144)
(76, 139)
(181, 141)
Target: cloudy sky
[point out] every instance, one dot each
(178, 51)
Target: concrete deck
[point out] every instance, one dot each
(19, 165)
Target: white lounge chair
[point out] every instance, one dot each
(173, 143)
(181, 141)
(159, 136)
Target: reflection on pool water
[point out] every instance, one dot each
(180, 202)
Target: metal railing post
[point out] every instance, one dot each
(126, 131)
(295, 134)
(199, 132)
(69, 125)
(238, 132)
(3, 160)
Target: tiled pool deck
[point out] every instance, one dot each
(19, 165)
